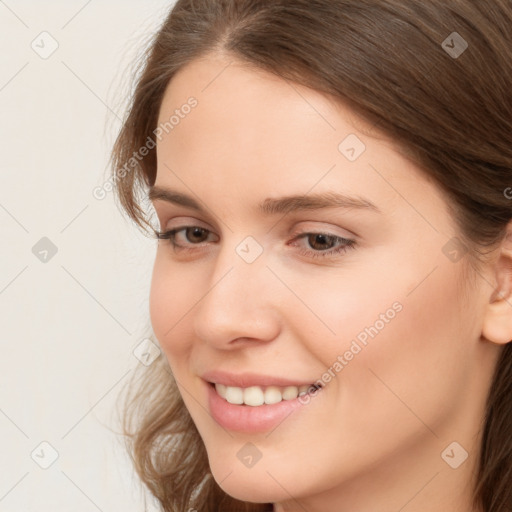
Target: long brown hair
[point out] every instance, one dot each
(434, 76)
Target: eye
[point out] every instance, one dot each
(319, 245)
(180, 237)
(323, 245)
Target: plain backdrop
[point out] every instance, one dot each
(74, 273)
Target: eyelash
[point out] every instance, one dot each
(347, 243)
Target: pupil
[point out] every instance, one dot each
(321, 240)
(196, 232)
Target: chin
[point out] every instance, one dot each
(247, 484)
(247, 489)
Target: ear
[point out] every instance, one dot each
(497, 324)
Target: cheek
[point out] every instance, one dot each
(341, 310)
(415, 366)
(424, 345)
(392, 338)
(171, 296)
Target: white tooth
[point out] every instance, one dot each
(221, 390)
(290, 393)
(253, 396)
(273, 395)
(234, 395)
(303, 390)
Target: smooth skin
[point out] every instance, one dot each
(372, 439)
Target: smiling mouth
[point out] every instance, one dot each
(255, 396)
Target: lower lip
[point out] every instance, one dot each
(249, 419)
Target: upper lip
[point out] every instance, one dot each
(245, 380)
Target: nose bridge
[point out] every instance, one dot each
(238, 302)
(239, 267)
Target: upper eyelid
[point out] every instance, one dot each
(191, 222)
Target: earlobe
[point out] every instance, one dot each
(497, 324)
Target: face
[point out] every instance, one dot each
(306, 249)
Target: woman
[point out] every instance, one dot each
(331, 289)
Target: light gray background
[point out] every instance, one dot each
(69, 325)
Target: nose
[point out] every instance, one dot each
(240, 304)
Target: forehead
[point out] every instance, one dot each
(251, 130)
(236, 91)
(243, 115)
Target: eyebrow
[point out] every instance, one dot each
(273, 206)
